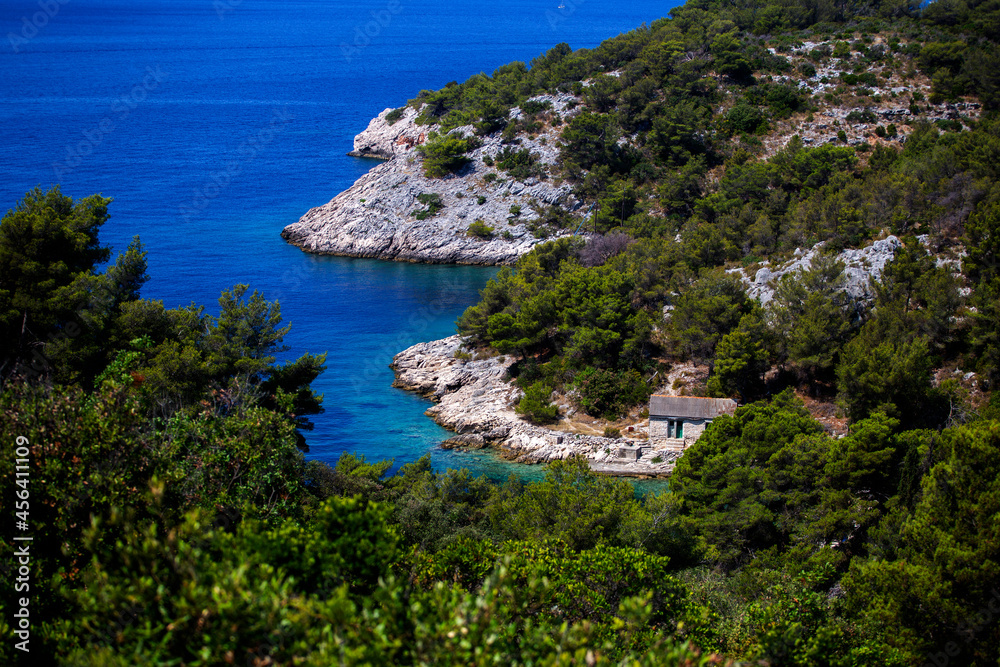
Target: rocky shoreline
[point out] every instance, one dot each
(473, 400)
(375, 217)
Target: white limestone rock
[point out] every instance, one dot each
(861, 267)
(385, 140)
(473, 400)
(375, 217)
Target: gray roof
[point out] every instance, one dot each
(689, 407)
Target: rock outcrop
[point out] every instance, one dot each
(376, 217)
(473, 400)
(861, 267)
(888, 89)
(384, 139)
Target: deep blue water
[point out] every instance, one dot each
(215, 123)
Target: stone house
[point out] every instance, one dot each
(675, 422)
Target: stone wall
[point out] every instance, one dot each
(658, 428)
(693, 430)
(660, 435)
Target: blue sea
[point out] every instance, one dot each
(215, 123)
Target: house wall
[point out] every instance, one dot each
(693, 430)
(659, 429)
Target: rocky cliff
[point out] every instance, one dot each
(376, 217)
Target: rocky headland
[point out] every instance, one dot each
(376, 217)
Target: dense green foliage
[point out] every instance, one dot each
(878, 548)
(480, 230)
(661, 165)
(176, 521)
(445, 154)
(535, 405)
(520, 164)
(158, 552)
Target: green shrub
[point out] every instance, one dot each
(480, 230)
(445, 155)
(744, 118)
(610, 394)
(865, 116)
(819, 54)
(612, 432)
(480, 200)
(492, 118)
(520, 164)
(535, 405)
(550, 218)
(433, 203)
(532, 107)
(949, 125)
(865, 79)
(781, 100)
(394, 115)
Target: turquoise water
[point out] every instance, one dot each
(215, 123)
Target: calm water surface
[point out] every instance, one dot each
(213, 124)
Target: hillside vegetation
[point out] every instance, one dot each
(720, 141)
(175, 520)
